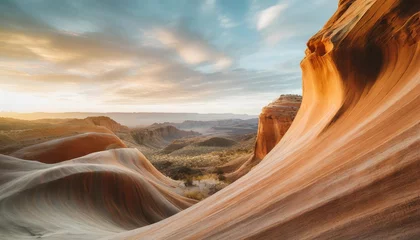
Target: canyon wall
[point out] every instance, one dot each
(274, 121)
(348, 166)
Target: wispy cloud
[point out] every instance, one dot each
(269, 15)
(192, 48)
(131, 55)
(226, 22)
(209, 5)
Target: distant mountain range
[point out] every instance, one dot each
(217, 127)
(135, 119)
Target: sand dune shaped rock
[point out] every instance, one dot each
(102, 193)
(346, 169)
(67, 148)
(348, 166)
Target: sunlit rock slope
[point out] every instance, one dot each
(101, 194)
(348, 166)
(274, 121)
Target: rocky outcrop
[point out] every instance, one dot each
(67, 148)
(159, 136)
(275, 119)
(101, 121)
(106, 192)
(217, 142)
(348, 166)
(23, 133)
(108, 123)
(217, 127)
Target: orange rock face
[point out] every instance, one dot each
(101, 193)
(274, 121)
(67, 148)
(348, 166)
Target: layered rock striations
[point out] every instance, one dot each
(101, 194)
(274, 121)
(67, 148)
(348, 166)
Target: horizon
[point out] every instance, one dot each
(175, 56)
(131, 112)
(130, 119)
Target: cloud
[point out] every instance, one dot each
(276, 35)
(196, 56)
(269, 15)
(209, 5)
(290, 22)
(223, 63)
(192, 48)
(226, 22)
(158, 86)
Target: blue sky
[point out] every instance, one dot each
(212, 56)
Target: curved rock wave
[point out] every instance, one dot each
(101, 193)
(67, 148)
(274, 121)
(348, 166)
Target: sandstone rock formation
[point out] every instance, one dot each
(101, 193)
(274, 121)
(67, 148)
(348, 166)
(23, 133)
(23, 138)
(346, 169)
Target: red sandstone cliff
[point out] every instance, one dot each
(274, 121)
(348, 166)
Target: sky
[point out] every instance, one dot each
(209, 56)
